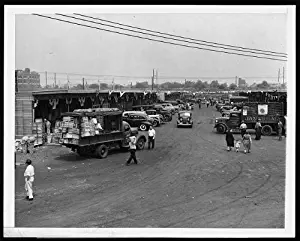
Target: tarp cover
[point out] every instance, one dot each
(94, 112)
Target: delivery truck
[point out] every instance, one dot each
(93, 132)
(268, 112)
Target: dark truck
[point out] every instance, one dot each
(114, 132)
(268, 112)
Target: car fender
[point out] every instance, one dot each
(147, 123)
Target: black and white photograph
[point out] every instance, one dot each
(149, 121)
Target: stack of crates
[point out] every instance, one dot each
(69, 130)
(38, 130)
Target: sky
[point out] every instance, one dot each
(48, 45)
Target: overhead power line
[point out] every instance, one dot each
(155, 35)
(155, 40)
(177, 36)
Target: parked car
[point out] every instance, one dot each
(165, 113)
(140, 120)
(155, 117)
(185, 119)
(175, 105)
(169, 106)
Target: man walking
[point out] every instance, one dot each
(151, 137)
(29, 178)
(132, 149)
(243, 128)
(199, 104)
(207, 103)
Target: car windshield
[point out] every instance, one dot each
(186, 114)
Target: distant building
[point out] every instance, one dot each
(26, 80)
(241, 83)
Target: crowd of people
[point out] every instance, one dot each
(246, 139)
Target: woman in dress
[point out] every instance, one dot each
(257, 130)
(229, 140)
(247, 141)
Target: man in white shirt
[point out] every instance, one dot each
(29, 178)
(132, 149)
(243, 128)
(151, 137)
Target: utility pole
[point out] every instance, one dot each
(236, 80)
(83, 83)
(278, 75)
(152, 79)
(68, 82)
(55, 80)
(113, 83)
(283, 74)
(99, 84)
(156, 80)
(46, 78)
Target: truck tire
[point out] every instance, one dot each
(140, 144)
(155, 123)
(221, 129)
(170, 118)
(102, 151)
(266, 130)
(143, 127)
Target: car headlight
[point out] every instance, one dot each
(217, 121)
(180, 119)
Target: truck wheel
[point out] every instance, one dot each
(143, 127)
(170, 118)
(102, 151)
(140, 144)
(221, 129)
(266, 130)
(166, 119)
(155, 123)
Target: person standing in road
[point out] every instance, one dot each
(229, 140)
(199, 104)
(207, 104)
(151, 137)
(243, 128)
(132, 149)
(280, 126)
(48, 126)
(257, 130)
(247, 141)
(29, 178)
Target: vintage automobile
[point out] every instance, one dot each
(165, 113)
(140, 120)
(154, 115)
(184, 119)
(175, 105)
(169, 106)
(156, 118)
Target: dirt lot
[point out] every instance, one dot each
(189, 181)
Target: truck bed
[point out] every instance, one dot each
(98, 139)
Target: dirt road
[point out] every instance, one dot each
(189, 181)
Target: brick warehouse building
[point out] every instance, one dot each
(27, 80)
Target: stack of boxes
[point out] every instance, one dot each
(68, 131)
(38, 131)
